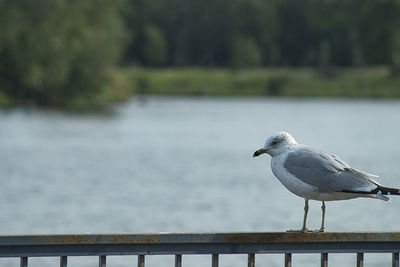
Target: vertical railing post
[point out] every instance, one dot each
(288, 259)
(63, 261)
(102, 261)
(214, 260)
(251, 260)
(24, 262)
(324, 259)
(395, 259)
(140, 261)
(360, 259)
(178, 260)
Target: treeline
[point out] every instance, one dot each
(246, 33)
(55, 51)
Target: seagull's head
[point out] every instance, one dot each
(276, 144)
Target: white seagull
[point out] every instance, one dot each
(314, 174)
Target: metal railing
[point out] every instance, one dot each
(214, 244)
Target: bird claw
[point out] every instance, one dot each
(305, 230)
(298, 231)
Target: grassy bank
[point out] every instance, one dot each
(363, 83)
(125, 82)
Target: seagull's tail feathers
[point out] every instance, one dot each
(382, 197)
(389, 190)
(380, 192)
(383, 193)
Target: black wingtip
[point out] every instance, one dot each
(389, 190)
(378, 190)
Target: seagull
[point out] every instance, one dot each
(313, 174)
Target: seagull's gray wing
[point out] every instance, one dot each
(327, 172)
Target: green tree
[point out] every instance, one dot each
(258, 20)
(58, 51)
(395, 58)
(245, 53)
(154, 46)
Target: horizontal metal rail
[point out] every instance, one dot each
(179, 244)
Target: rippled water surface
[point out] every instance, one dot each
(183, 164)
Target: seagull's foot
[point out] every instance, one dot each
(298, 231)
(305, 230)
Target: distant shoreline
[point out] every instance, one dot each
(371, 82)
(125, 82)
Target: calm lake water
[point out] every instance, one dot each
(185, 165)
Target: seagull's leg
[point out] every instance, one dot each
(304, 229)
(323, 217)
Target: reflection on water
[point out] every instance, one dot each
(182, 164)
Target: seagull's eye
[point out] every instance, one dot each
(275, 142)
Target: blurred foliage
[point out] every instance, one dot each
(317, 33)
(154, 46)
(64, 51)
(395, 62)
(58, 51)
(245, 53)
(369, 82)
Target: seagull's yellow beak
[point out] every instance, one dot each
(259, 152)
